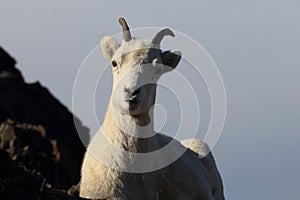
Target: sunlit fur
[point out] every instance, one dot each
(192, 176)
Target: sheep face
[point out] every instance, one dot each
(137, 65)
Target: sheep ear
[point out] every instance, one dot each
(108, 47)
(171, 58)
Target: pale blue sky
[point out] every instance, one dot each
(255, 44)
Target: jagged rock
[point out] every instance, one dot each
(29, 144)
(17, 182)
(36, 129)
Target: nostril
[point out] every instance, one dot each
(126, 90)
(136, 92)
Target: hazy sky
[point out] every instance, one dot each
(255, 44)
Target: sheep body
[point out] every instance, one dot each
(128, 127)
(191, 176)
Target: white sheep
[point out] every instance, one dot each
(128, 127)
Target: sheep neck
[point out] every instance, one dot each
(129, 137)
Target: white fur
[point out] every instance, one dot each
(192, 176)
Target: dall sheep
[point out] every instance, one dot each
(137, 65)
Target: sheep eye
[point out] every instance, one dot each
(114, 63)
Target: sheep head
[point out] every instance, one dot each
(137, 65)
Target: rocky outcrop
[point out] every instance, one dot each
(36, 129)
(17, 182)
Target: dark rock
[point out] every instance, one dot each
(9, 75)
(36, 129)
(17, 182)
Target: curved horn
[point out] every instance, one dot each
(161, 34)
(126, 31)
